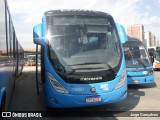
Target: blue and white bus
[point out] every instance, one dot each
(139, 66)
(82, 62)
(11, 54)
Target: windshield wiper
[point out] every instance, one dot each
(87, 63)
(141, 63)
(111, 69)
(60, 67)
(71, 72)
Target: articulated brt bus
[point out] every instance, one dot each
(154, 53)
(81, 58)
(139, 67)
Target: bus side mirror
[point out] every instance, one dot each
(37, 34)
(122, 33)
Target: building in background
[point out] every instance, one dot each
(153, 40)
(137, 31)
(147, 38)
(158, 43)
(150, 39)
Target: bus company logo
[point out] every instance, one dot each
(91, 79)
(134, 62)
(93, 89)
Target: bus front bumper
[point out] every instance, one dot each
(58, 100)
(140, 79)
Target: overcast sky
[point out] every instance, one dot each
(27, 13)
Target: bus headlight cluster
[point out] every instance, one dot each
(150, 72)
(122, 79)
(56, 85)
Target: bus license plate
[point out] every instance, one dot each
(93, 99)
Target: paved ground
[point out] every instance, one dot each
(140, 98)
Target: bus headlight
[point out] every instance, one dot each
(56, 85)
(122, 79)
(150, 72)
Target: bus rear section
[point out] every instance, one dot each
(139, 67)
(82, 60)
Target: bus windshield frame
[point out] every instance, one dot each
(136, 55)
(78, 44)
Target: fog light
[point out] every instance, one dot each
(53, 100)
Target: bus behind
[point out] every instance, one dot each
(139, 67)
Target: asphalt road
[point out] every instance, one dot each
(140, 98)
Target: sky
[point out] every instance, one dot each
(27, 13)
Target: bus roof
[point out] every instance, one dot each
(154, 47)
(76, 12)
(133, 41)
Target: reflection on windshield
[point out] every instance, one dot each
(136, 55)
(75, 42)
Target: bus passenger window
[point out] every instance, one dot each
(103, 43)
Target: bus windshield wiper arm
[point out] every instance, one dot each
(71, 72)
(60, 67)
(141, 63)
(87, 63)
(110, 69)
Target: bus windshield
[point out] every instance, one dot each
(136, 54)
(83, 44)
(158, 55)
